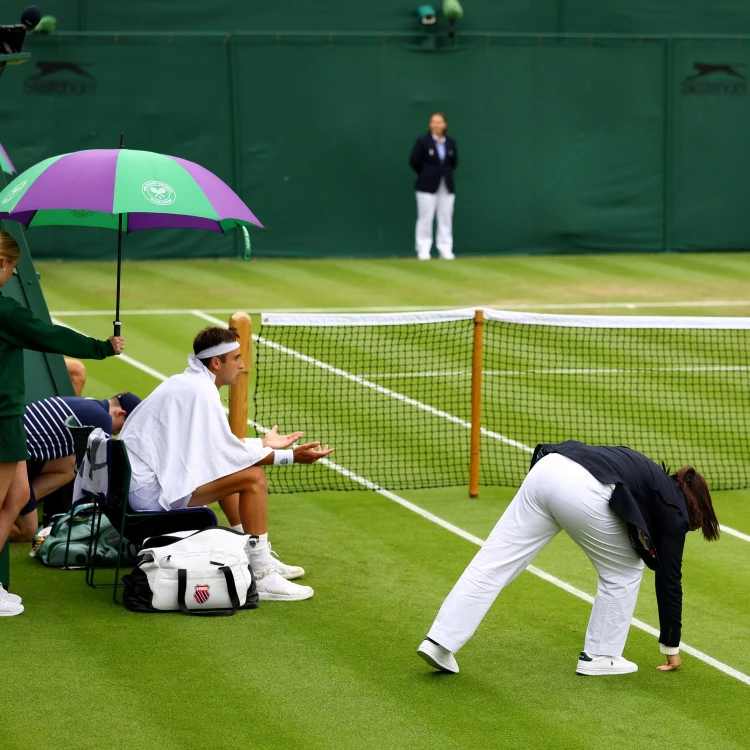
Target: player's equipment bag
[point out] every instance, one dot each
(69, 541)
(203, 572)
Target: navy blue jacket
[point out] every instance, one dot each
(653, 506)
(424, 160)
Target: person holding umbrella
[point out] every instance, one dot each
(19, 330)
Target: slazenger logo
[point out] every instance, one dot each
(61, 79)
(158, 192)
(715, 79)
(17, 189)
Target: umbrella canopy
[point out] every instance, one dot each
(144, 190)
(5, 163)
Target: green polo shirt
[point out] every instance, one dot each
(19, 330)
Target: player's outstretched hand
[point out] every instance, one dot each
(272, 439)
(672, 663)
(310, 453)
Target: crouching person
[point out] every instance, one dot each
(183, 454)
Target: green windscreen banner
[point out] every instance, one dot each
(566, 144)
(536, 16)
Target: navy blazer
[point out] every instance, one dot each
(653, 506)
(424, 160)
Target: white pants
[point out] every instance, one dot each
(427, 205)
(557, 493)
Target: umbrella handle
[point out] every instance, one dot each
(118, 325)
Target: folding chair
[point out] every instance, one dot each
(135, 526)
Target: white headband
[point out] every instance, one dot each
(218, 350)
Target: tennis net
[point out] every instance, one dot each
(393, 393)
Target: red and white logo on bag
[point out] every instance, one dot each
(201, 594)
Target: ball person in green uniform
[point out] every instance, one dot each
(19, 330)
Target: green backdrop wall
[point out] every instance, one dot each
(558, 16)
(567, 144)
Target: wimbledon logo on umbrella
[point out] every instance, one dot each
(158, 192)
(17, 189)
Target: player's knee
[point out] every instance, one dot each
(68, 468)
(256, 477)
(77, 374)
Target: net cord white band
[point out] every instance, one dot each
(506, 316)
(218, 350)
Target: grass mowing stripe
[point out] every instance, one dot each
(122, 357)
(373, 386)
(725, 668)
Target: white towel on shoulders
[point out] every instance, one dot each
(181, 431)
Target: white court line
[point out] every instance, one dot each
(423, 308)
(489, 433)
(373, 386)
(725, 668)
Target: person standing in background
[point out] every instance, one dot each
(433, 158)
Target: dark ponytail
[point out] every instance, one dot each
(698, 500)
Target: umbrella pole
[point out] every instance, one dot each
(117, 323)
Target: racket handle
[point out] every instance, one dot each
(118, 326)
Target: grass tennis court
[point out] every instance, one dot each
(339, 670)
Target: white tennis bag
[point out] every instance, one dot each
(197, 572)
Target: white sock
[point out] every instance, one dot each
(239, 528)
(260, 555)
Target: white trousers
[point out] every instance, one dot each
(557, 493)
(427, 205)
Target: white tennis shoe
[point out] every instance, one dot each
(287, 571)
(9, 609)
(438, 657)
(598, 665)
(273, 587)
(6, 596)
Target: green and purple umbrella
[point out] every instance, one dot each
(6, 165)
(124, 190)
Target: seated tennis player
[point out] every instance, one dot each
(183, 454)
(623, 510)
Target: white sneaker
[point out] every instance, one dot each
(438, 657)
(273, 587)
(287, 571)
(6, 596)
(9, 609)
(447, 256)
(420, 256)
(598, 665)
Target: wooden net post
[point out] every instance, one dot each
(476, 403)
(238, 393)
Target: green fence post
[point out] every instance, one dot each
(668, 133)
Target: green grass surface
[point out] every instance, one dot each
(339, 670)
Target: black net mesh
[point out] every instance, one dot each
(390, 400)
(395, 400)
(678, 395)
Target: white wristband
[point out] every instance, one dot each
(669, 650)
(283, 458)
